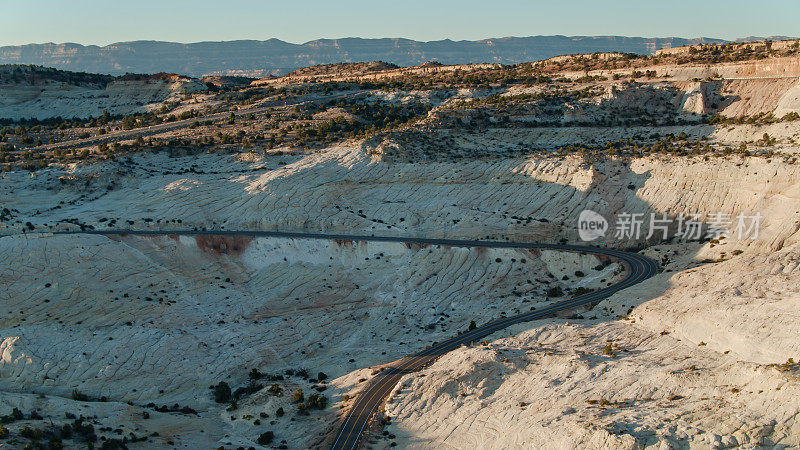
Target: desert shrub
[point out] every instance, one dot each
(297, 396)
(79, 396)
(789, 365)
(790, 117)
(113, 444)
(85, 430)
(766, 140)
(266, 438)
(129, 122)
(252, 387)
(33, 434)
(582, 290)
(66, 431)
(3, 432)
(555, 291)
(222, 392)
(472, 325)
(316, 401)
(322, 376)
(279, 412)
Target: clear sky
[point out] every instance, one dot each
(102, 22)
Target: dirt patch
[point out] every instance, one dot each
(343, 242)
(416, 245)
(223, 245)
(482, 251)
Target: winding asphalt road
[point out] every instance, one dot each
(372, 397)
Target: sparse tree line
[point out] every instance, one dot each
(757, 119)
(223, 394)
(418, 147)
(51, 435)
(32, 74)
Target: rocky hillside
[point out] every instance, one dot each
(40, 92)
(206, 310)
(260, 58)
(343, 68)
(227, 328)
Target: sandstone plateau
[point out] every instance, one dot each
(130, 331)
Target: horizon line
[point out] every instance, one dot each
(388, 38)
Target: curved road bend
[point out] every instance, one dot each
(372, 397)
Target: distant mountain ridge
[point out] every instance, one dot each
(273, 56)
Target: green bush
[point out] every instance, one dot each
(129, 122)
(316, 401)
(297, 396)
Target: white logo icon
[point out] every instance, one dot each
(591, 225)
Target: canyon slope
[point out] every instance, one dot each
(178, 339)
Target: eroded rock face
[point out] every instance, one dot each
(334, 299)
(556, 385)
(789, 101)
(158, 319)
(699, 359)
(346, 190)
